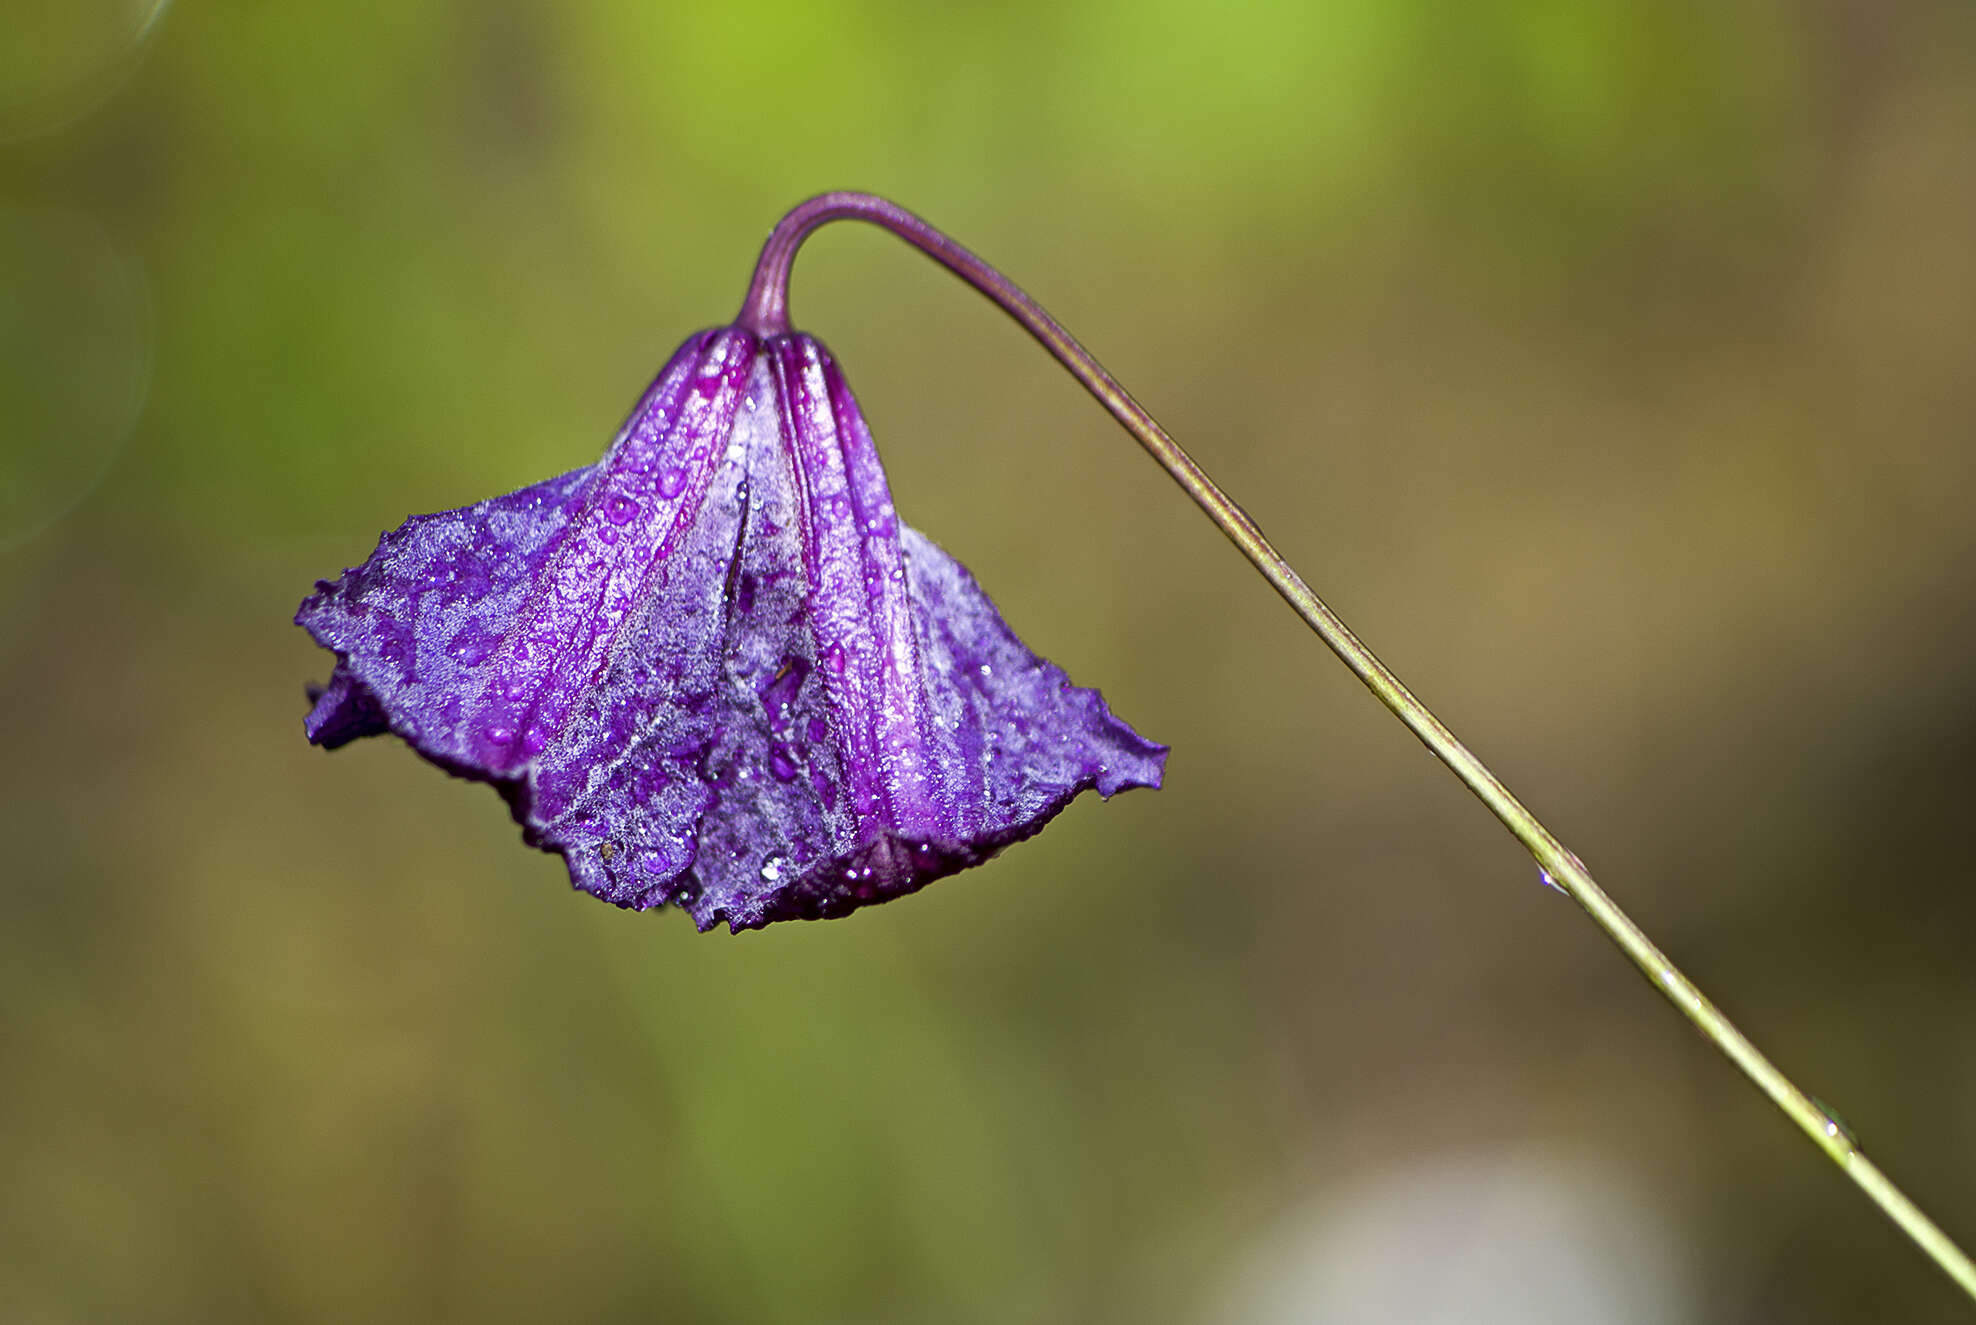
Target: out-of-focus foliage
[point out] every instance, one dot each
(1607, 364)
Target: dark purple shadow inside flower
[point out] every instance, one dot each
(714, 669)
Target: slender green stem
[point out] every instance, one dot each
(766, 311)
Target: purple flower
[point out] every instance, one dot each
(714, 669)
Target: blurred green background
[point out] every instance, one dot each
(1607, 364)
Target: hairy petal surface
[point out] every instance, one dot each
(714, 669)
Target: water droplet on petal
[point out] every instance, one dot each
(672, 482)
(536, 739)
(661, 859)
(834, 659)
(619, 509)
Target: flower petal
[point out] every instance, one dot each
(715, 669)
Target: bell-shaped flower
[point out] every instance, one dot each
(715, 669)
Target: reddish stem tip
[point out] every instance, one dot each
(765, 311)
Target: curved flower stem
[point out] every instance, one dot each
(766, 312)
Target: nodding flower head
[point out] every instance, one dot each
(714, 669)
